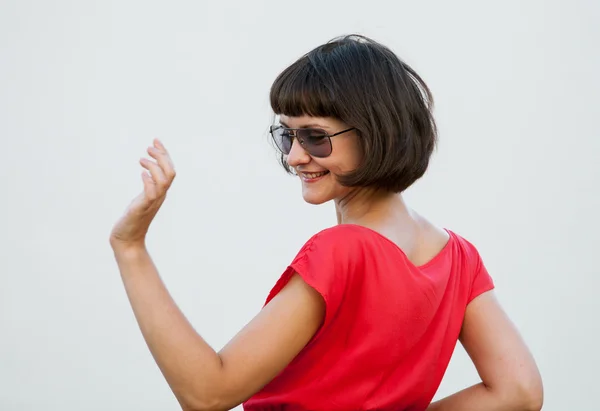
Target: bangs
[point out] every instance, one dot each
(301, 90)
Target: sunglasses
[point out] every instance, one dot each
(314, 140)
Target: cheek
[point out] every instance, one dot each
(346, 156)
(355, 159)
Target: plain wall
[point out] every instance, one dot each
(85, 86)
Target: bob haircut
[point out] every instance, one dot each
(364, 84)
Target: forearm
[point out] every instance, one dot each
(481, 398)
(190, 366)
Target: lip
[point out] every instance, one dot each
(312, 180)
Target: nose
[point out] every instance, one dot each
(298, 155)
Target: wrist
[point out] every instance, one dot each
(128, 251)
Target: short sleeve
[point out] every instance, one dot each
(327, 263)
(482, 281)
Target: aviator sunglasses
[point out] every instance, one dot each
(314, 140)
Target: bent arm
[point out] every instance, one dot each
(201, 378)
(510, 378)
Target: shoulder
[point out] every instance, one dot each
(478, 275)
(466, 253)
(342, 238)
(465, 246)
(338, 248)
(349, 231)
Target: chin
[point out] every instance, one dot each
(315, 197)
(316, 200)
(320, 192)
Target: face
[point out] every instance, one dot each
(318, 175)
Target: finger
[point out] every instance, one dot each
(156, 172)
(159, 145)
(149, 186)
(164, 161)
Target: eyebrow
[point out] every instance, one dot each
(310, 125)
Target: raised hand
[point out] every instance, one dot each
(130, 231)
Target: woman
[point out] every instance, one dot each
(367, 315)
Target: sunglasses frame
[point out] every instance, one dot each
(302, 141)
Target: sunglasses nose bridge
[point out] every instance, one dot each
(298, 154)
(297, 135)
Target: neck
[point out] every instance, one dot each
(370, 207)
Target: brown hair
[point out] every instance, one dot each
(365, 85)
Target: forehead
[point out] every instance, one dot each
(307, 122)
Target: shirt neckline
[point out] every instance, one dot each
(422, 266)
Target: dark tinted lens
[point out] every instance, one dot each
(282, 138)
(315, 141)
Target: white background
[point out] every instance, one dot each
(85, 86)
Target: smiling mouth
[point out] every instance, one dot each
(313, 176)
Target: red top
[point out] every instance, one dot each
(390, 327)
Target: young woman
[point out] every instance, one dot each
(367, 315)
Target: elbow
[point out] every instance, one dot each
(195, 404)
(532, 398)
(527, 394)
(205, 402)
(533, 392)
(202, 407)
(209, 395)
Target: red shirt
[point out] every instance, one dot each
(390, 327)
